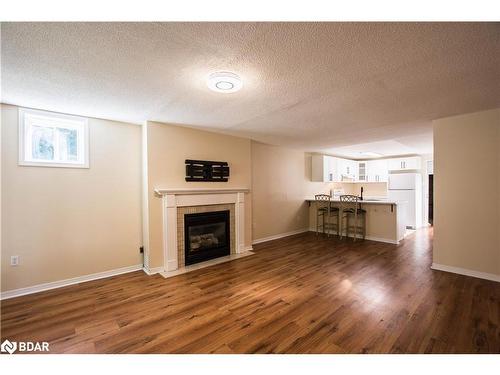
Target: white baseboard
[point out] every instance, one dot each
(371, 238)
(75, 280)
(379, 239)
(466, 272)
(277, 236)
(152, 271)
(248, 248)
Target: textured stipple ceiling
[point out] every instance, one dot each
(313, 86)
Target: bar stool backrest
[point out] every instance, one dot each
(349, 202)
(323, 201)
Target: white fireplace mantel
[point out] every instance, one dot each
(186, 197)
(185, 191)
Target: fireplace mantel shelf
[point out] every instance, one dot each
(188, 191)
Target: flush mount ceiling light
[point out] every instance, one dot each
(225, 82)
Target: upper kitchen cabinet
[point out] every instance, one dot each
(363, 171)
(399, 164)
(347, 170)
(353, 171)
(376, 170)
(332, 169)
(324, 168)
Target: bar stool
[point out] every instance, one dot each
(350, 209)
(324, 210)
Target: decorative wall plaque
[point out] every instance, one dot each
(205, 170)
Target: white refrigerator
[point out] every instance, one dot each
(408, 187)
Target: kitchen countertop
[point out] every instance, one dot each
(365, 201)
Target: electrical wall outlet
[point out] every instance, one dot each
(14, 260)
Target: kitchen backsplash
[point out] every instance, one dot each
(372, 189)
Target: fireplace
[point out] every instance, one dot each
(178, 203)
(206, 236)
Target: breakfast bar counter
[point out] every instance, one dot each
(364, 201)
(384, 218)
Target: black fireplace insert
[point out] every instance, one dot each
(206, 236)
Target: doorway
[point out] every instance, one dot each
(431, 199)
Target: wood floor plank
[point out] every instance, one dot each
(301, 294)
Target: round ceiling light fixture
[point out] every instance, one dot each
(225, 82)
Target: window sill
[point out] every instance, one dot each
(52, 165)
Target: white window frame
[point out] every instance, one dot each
(26, 116)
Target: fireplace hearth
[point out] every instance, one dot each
(206, 236)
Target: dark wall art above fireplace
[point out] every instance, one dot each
(206, 236)
(206, 170)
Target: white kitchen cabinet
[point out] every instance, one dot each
(341, 166)
(353, 170)
(362, 171)
(413, 162)
(347, 170)
(394, 164)
(407, 163)
(377, 170)
(332, 169)
(324, 168)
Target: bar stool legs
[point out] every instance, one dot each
(334, 212)
(359, 223)
(342, 216)
(326, 211)
(325, 222)
(350, 210)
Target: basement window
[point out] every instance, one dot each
(48, 139)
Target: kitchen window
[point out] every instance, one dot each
(49, 139)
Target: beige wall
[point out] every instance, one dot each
(372, 189)
(168, 147)
(467, 191)
(68, 222)
(281, 180)
(278, 189)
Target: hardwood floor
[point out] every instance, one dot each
(301, 294)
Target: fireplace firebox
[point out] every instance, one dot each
(206, 236)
